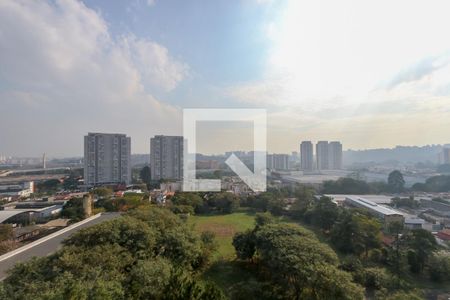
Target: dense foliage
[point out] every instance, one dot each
(221, 202)
(346, 186)
(436, 184)
(73, 210)
(294, 264)
(148, 254)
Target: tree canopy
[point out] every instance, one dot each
(297, 265)
(138, 256)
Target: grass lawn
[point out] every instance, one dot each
(225, 271)
(224, 226)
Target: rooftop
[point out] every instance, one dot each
(386, 211)
(378, 199)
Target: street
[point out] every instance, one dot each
(49, 246)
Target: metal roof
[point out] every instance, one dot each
(386, 211)
(6, 214)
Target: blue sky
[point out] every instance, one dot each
(224, 42)
(370, 74)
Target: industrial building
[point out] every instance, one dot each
(385, 214)
(30, 212)
(20, 190)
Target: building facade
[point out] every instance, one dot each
(444, 156)
(278, 162)
(107, 159)
(306, 156)
(166, 157)
(335, 156)
(322, 155)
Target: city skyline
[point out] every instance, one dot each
(38, 156)
(115, 66)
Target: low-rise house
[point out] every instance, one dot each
(444, 234)
(414, 223)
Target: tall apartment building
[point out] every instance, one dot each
(335, 155)
(278, 162)
(166, 157)
(306, 155)
(107, 159)
(322, 155)
(444, 156)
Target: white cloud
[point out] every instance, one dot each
(154, 62)
(62, 68)
(356, 61)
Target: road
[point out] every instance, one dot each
(49, 246)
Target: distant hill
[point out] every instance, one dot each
(402, 154)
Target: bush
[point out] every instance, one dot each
(439, 266)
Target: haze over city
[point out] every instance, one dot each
(225, 150)
(341, 70)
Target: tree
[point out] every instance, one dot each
(368, 233)
(261, 201)
(73, 210)
(262, 219)
(225, 202)
(396, 181)
(145, 175)
(304, 199)
(297, 264)
(191, 199)
(324, 213)
(440, 266)
(6, 232)
(438, 183)
(375, 278)
(141, 257)
(48, 186)
(345, 186)
(149, 278)
(102, 192)
(395, 253)
(405, 202)
(70, 182)
(421, 244)
(356, 233)
(244, 244)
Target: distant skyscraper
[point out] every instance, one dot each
(306, 155)
(166, 157)
(335, 155)
(444, 156)
(322, 155)
(278, 162)
(107, 159)
(44, 161)
(269, 161)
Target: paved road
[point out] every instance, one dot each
(49, 246)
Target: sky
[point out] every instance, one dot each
(370, 74)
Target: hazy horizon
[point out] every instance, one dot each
(368, 74)
(39, 155)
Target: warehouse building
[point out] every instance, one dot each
(385, 214)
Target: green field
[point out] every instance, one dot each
(225, 270)
(224, 227)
